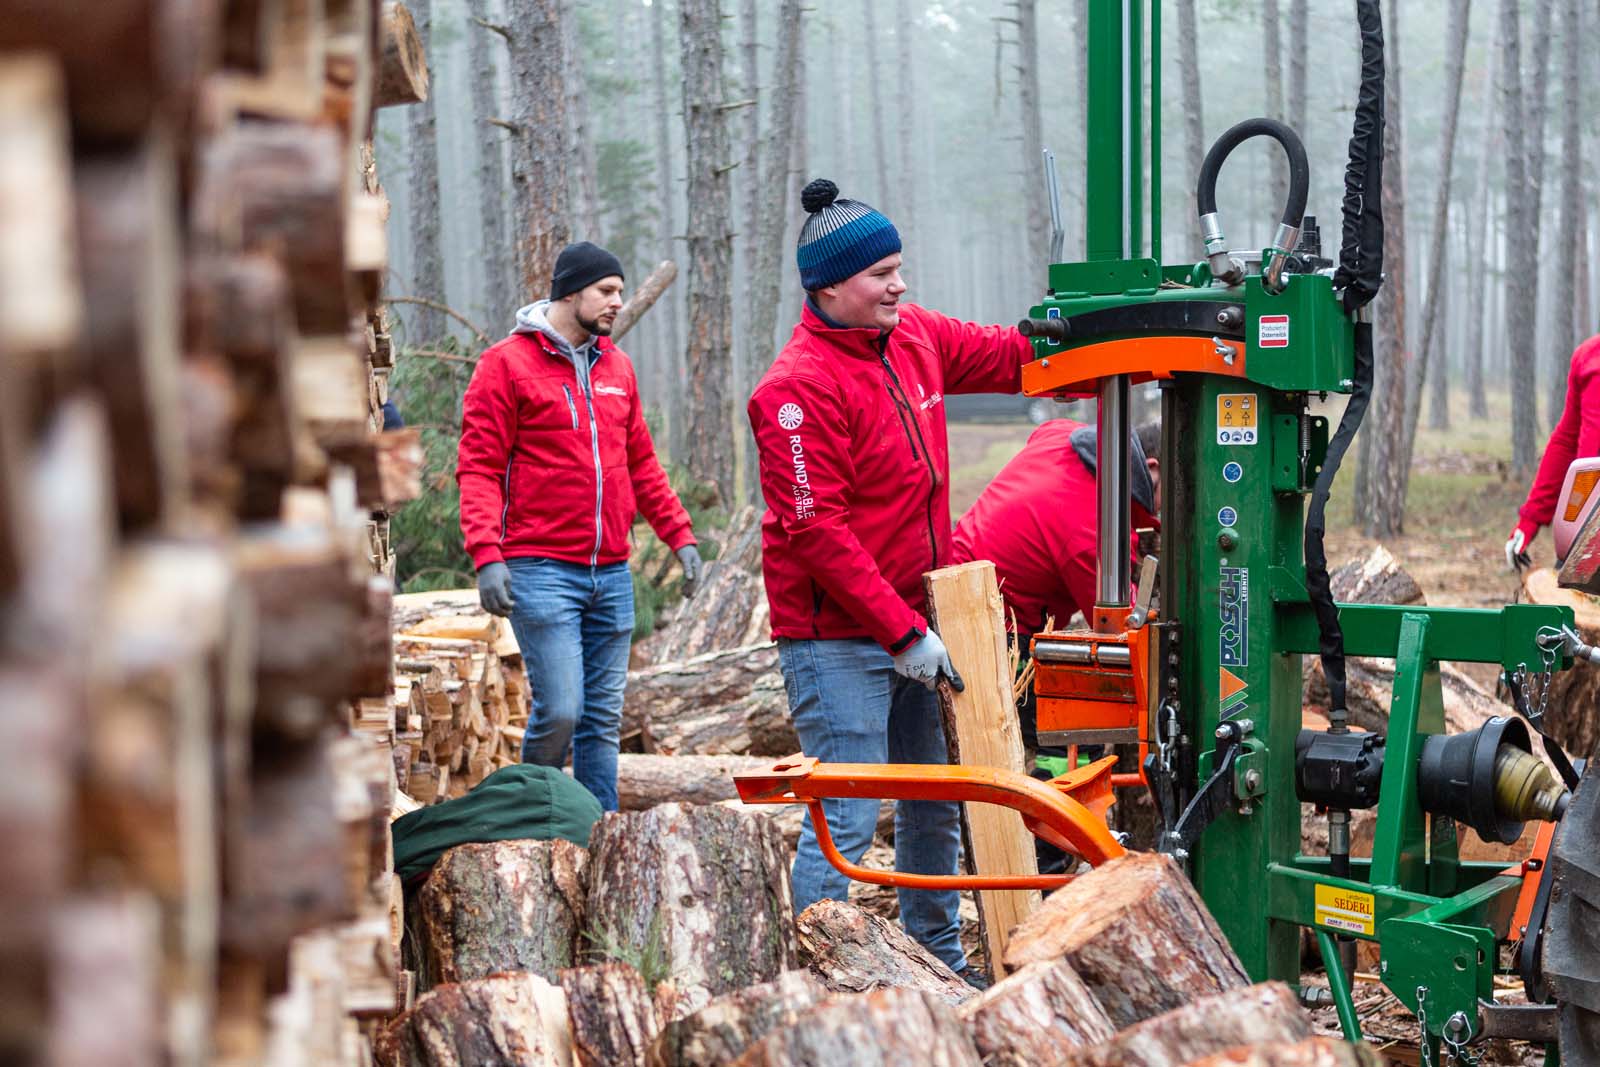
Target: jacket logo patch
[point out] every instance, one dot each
(790, 416)
(932, 400)
(610, 390)
(805, 505)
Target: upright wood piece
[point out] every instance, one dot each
(724, 1028)
(1037, 1016)
(612, 1015)
(852, 951)
(508, 1020)
(402, 59)
(982, 730)
(1312, 1052)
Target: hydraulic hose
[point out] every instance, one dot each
(1360, 274)
(1294, 208)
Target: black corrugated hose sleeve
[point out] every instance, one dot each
(1360, 275)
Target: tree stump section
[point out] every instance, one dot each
(1260, 1013)
(1138, 935)
(1312, 1052)
(612, 1015)
(509, 1020)
(724, 1028)
(504, 906)
(852, 951)
(887, 1028)
(1570, 716)
(402, 59)
(981, 729)
(722, 703)
(1036, 1017)
(703, 891)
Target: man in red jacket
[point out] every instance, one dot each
(849, 429)
(555, 461)
(1576, 436)
(1037, 523)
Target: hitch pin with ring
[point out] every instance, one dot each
(1565, 639)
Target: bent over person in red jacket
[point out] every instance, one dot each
(555, 461)
(849, 429)
(1576, 436)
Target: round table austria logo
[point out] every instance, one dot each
(790, 416)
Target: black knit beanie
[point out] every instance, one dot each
(581, 265)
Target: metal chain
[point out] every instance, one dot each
(1424, 1043)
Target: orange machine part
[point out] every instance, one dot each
(1531, 871)
(1053, 811)
(1092, 696)
(1142, 359)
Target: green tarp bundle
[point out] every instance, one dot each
(520, 802)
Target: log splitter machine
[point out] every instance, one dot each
(1199, 664)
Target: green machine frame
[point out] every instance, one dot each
(1236, 608)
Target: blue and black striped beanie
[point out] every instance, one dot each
(840, 237)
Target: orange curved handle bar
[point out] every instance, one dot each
(1047, 811)
(1142, 359)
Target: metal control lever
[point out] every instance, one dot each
(1144, 591)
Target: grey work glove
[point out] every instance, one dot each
(925, 660)
(689, 556)
(494, 589)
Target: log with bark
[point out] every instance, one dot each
(702, 890)
(1138, 935)
(1311, 1052)
(1268, 1012)
(729, 611)
(643, 781)
(1573, 713)
(852, 951)
(502, 906)
(1036, 1017)
(612, 1015)
(644, 297)
(724, 1028)
(722, 703)
(880, 1029)
(402, 76)
(507, 1020)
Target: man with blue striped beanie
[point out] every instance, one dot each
(850, 434)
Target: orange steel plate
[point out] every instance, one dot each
(1142, 359)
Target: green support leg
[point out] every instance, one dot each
(1339, 984)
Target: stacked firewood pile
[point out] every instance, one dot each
(193, 553)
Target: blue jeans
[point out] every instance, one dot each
(574, 625)
(849, 706)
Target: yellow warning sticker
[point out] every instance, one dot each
(1345, 909)
(1236, 418)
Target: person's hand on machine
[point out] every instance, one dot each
(925, 660)
(1522, 536)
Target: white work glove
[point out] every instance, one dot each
(689, 557)
(925, 660)
(1517, 549)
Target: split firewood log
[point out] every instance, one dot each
(722, 703)
(1138, 935)
(1267, 1012)
(1574, 694)
(643, 781)
(724, 1028)
(852, 951)
(402, 61)
(612, 1015)
(1312, 1052)
(1036, 1017)
(702, 890)
(885, 1028)
(504, 906)
(506, 1020)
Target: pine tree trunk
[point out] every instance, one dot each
(720, 1032)
(1434, 289)
(1037, 1015)
(1536, 105)
(503, 906)
(422, 182)
(1194, 132)
(1478, 243)
(611, 1013)
(702, 890)
(1138, 935)
(508, 1020)
(1268, 1012)
(585, 185)
(667, 232)
(1520, 288)
(1036, 197)
(540, 195)
(710, 240)
(1439, 379)
(502, 292)
(881, 1029)
(1272, 70)
(852, 951)
(1299, 37)
(1385, 507)
(1569, 231)
(884, 195)
(906, 62)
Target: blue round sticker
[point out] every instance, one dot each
(1232, 472)
(1227, 516)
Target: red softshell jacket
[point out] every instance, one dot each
(1036, 523)
(849, 427)
(1576, 436)
(547, 469)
